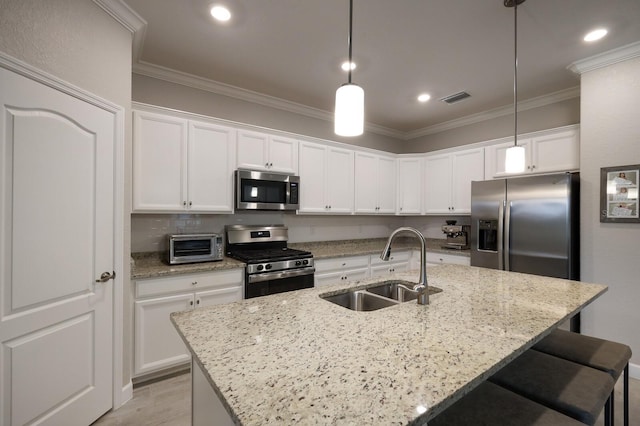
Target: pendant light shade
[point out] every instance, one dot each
(514, 160)
(515, 156)
(349, 120)
(349, 114)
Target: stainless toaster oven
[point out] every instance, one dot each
(191, 248)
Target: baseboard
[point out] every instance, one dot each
(124, 396)
(634, 371)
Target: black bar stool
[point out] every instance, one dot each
(493, 405)
(610, 357)
(570, 388)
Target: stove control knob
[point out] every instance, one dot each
(260, 267)
(298, 263)
(305, 262)
(267, 266)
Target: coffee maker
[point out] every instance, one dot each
(457, 235)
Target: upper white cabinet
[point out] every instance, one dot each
(410, 187)
(181, 164)
(548, 152)
(260, 151)
(375, 183)
(326, 179)
(448, 180)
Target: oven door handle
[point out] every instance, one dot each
(268, 276)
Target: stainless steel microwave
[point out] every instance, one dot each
(191, 248)
(256, 190)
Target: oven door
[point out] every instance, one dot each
(278, 282)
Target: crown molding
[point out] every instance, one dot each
(605, 59)
(196, 82)
(129, 19)
(532, 103)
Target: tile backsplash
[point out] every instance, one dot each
(148, 231)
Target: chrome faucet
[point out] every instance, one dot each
(422, 287)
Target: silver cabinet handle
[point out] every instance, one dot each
(106, 277)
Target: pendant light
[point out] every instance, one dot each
(515, 155)
(349, 115)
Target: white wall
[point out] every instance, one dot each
(76, 41)
(610, 136)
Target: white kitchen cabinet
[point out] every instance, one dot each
(261, 151)
(182, 165)
(157, 345)
(555, 151)
(448, 180)
(398, 262)
(434, 258)
(341, 269)
(410, 182)
(375, 184)
(326, 179)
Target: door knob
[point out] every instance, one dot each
(106, 276)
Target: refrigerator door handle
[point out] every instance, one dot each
(500, 236)
(507, 239)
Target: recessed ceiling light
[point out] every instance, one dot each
(424, 97)
(220, 13)
(345, 66)
(595, 35)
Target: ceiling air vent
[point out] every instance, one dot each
(456, 97)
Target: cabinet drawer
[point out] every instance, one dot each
(341, 263)
(157, 286)
(396, 256)
(439, 258)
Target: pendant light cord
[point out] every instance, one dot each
(350, 36)
(515, 75)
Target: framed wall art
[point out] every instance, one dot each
(619, 194)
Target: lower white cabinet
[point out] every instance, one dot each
(157, 344)
(398, 262)
(341, 269)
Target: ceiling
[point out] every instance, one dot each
(292, 50)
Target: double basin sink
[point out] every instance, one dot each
(377, 296)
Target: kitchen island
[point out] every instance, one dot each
(295, 358)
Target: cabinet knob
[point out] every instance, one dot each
(266, 164)
(270, 164)
(191, 302)
(344, 264)
(528, 167)
(190, 203)
(198, 302)
(329, 207)
(533, 167)
(194, 283)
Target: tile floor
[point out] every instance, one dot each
(168, 402)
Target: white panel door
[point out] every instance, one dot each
(211, 159)
(283, 154)
(410, 185)
(556, 152)
(387, 185)
(468, 166)
(56, 239)
(253, 150)
(218, 296)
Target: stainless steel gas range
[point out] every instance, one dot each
(272, 267)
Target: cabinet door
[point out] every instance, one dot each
(339, 180)
(211, 159)
(252, 150)
(437, 184)
(356, 274)
(312, 177)
(322, 280)
(159, 162)
(467, 166)
(157, 343)
(410, 186)
(219, 296)
(556, 152)
(496, 154)
(387, 185)
(283, 155)
(366, 183)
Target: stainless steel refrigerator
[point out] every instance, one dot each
(527, 224)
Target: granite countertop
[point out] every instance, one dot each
(153, 265)
(294, 358)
